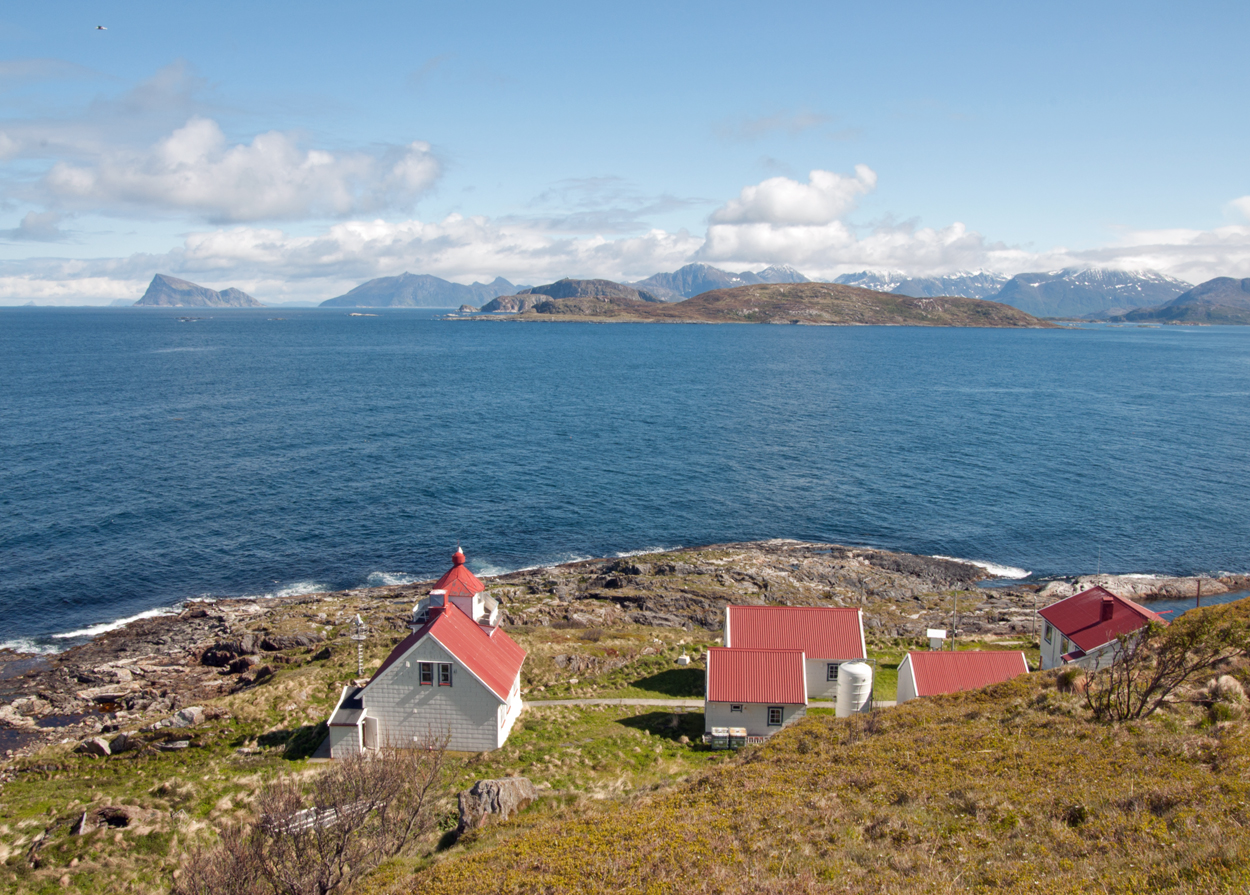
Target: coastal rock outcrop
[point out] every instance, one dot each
(494, 799)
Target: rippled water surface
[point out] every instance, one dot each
(147, 459)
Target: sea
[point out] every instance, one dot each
(153, 456)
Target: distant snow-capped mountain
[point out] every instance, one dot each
(695, 279)
(1076, 292)
(965, 284)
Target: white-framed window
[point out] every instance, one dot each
(774, 715)
(425, 672)
(735, 707)
(831, 672)
(444, 674)
(1047, 632)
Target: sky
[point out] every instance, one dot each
(297, 150)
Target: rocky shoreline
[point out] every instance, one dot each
(138, 676)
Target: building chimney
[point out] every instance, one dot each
(1108, 609)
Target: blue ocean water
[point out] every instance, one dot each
(145, 459)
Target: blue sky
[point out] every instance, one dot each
(296, 150)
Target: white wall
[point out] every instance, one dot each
(405, 709)
(344, 741)
(906, 681)
(754, 717)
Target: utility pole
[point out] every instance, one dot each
(954, 618)
(1199, 603)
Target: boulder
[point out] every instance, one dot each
(13, 718)
(241, 664)
(188, 717)
(321, 654)
(124, 742)
(98, 746)
(494, 799)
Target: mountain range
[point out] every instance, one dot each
(419, 291)
(1221, 300)
(171, 292)
(694, 279)
(1077, 293)
(969, 284)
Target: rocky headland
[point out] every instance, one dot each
(171, 292)
(140, 676)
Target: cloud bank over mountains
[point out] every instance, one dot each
(282, 219)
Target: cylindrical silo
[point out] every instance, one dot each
(854, 688)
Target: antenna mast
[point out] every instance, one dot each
(358, 635)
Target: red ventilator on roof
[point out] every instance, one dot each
(1096, 617)
(943, 672)
(756, 675)
(459, 581)
(821, 632)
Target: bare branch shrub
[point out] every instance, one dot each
(359, 812)
(1153, 663)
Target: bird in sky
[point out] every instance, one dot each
(100, 28)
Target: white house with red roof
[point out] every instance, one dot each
(827, 636)
(457, 674)
(935, 672)
(760, 690)
(1083, 629)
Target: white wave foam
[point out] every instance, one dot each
(390, 579)
(643, 552)
(1008, 572)
(24, 645)
(105, 627)
(489, 570)
(297, 589)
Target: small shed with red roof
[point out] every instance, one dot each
(828, 636)
(935, 672)
(761, 690)
(1084, 629)
(457, 674)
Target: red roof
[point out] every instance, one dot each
(1080, 618)
(489, 653)
(756, 675)
(459, 581)
(821, 632)
(946, 672)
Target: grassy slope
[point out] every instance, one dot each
(821, 303)
(1008, 789)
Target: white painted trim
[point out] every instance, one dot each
(803, 666)
(727, 608)
(863, 644)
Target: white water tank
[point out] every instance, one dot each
(854, 688)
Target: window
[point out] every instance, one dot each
(1049, 630)
(1063, 647)
(831, 671)
(426, 672)
(444, 674)
(736, 707)
(774, 716)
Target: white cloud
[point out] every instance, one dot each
(1242, 206)
(781, 201)
(36, 226)
(195, 170)
(777, 221)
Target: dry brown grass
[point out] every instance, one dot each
(1011, 789)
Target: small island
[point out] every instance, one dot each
(811, 304)
(171, 292)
